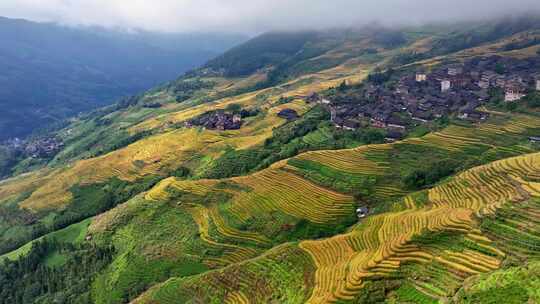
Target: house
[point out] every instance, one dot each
(402, 89)
(379, 120)
(500, 81)
(154, 105)
(487, 79)
(482, 95)
(393, 135)
(473, 115)
(440, 111)
(395, 123)
(534, 139)
(350, 125)
(460, 81)
(455, 70)
(475, 75)
(288, 114)
(325, 101)
(445, 85)
(538, 84)
(513, 93)
(362, 212)
(483, 84)
(421, 77)
(313, 97)
(338, 122)
(423, 116)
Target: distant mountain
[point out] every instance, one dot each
(49, 72)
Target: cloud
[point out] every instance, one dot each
(252, 16)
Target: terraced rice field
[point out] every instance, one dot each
(288, 279)
(276, 189)
(382, 166)
(158, 154)
(391, 244)
(271, 190)
(350, 161)
(380, 245)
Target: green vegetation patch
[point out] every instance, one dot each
(515, 285)
(289, 275)
(52, 271)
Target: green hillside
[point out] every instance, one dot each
(237, 184)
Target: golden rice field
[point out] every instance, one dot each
(269, 190)
(157, 154)
(277, 189)
(382, 244)
(230, 253)
(351, 160)
(378, 246)
(453, 138)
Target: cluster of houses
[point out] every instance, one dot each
(43, 147)
(216, 120)
(414, 98)
(37, 148)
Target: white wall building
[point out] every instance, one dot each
(513, 94)
(420, 77)
(445, 85)
(538, 85)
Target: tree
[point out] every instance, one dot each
(343, 86)
(511, 106)
(533, 100)
(233, 107)
(500, 69)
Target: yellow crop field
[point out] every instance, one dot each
(379, 245)
(231, 253)
(277, 189)
(155, 154)
(350, 160)
(270, 190)
(148, 156)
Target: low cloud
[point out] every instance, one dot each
(253, 16)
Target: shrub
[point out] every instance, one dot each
(430, 174)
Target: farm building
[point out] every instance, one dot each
(445, 85)
(513, 93)
(362, 212)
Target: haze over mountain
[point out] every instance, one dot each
(258, 16)
(50, 72)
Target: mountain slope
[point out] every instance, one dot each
(51, 72)
(162, 208)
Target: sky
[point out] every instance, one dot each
(255, 16)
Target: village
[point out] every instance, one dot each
(418, 97)
(45, 147)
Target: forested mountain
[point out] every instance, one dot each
(50, 72)
(366, 165)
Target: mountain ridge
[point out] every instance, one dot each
(78, 69)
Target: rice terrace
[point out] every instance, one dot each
(385, 162)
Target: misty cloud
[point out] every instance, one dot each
(252, 16)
